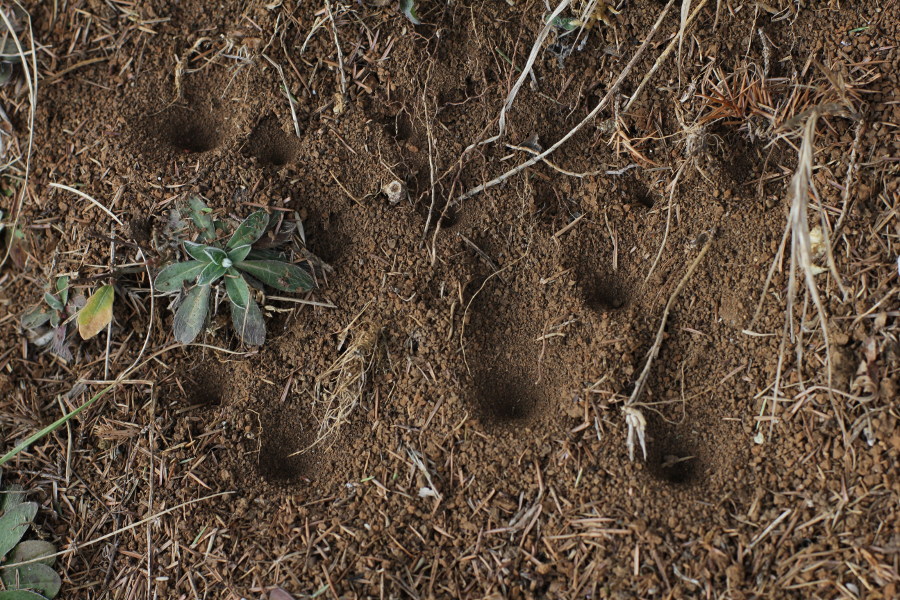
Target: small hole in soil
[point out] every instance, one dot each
(276, 465)
(673, 460)
(270, 144)
(503, 398)
(443, 214)
(204, 387)
(645, 199)
(189, 130)
(399, 127)
(602, 293)
(639, 193)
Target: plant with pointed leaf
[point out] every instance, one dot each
(97, 312)
(239, 265)
(48, 321)
(35, 579)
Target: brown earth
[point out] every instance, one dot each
(496, 350)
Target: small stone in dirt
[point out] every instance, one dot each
(394, 191)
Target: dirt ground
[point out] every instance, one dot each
(487, 343)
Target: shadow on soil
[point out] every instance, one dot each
(674, 459)
(504, 398)
(188, 129)
(271, 145)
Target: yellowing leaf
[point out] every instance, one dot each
(97, 313)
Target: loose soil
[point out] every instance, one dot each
(498, 337)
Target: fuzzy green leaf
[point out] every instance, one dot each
(35, 576)
(216, 255)
(20, 595)
(62, 287)
(53, 302)
(197, 251)
(14, 523)
(12, 496)
(408, 8)
(34, 549)
(249, 231)
(6, 71)
(264, 254)
(171, 278)
(237, 288)
(199, 214)
(210, 273)
(191, 315)
(248, 323)
(35, 317)
(281, 276)
(240, 253)
(97, 313)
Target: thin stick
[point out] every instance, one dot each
(662, 245)
(775, 262)
(32, 108)
(556, 167)
(662, 57)
(852, 169)
(106, 536)
(604, 102)
(526, 71)
(112, 261)
(287, 93)
(340, 54)
(657, 343)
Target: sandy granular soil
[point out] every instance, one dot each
(485, 345)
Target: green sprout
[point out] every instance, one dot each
(239, 265)
(48, 321)
(36, 579)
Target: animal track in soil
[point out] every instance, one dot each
(270, 144)
(203, 386)
(192, 129)
(502, 387)
(281, 459)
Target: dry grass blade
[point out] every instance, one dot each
(662, 57)
(340, 388)
(801, 246)
(340, 53)
(604, 102)
(287, 93)
(31, 80)
(529, 65)
(801, 260)
(633, 416)
(685, 11)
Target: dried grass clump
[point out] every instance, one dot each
(795, 121)
(341, 387)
